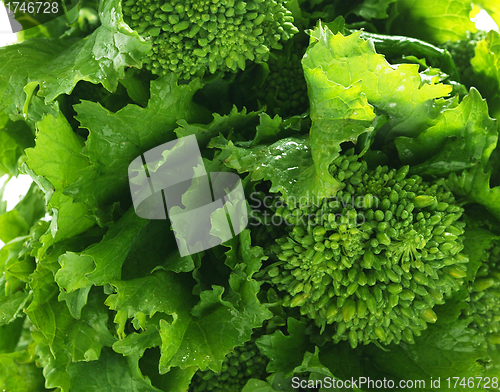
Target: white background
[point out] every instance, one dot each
(6, 36)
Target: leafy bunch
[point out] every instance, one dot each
(366, 141)
(375, 260)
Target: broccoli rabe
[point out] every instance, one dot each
(239, 366)
(285, 89)
(484, 304)
(462, 52)
(192, 36)
(374, 260)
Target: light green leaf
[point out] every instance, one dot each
(20, 267)
(254, 385)
(14, 138)
(243, 256)
(486, 66)
(53, 163)
(73, 272)
(461, 137)
(234, 122)
(134, 344)
(339, 114)
(474, 185)
(57, 153)
(434, 21)
(394, 90)
(212, 330)
(75, 300)
(287, 164)
(193, 334)
(10, 253)
(161, 254)
(12, 305)
(10, 335)
(60, 338)
(18, 373)
(308, 371)
(98, 58)
(17, 221)
(267, 129)
(161, 292)
(176, 380)
(271, 130)
(54, 364)
(62, 332)
(9, 154)
(56, 65)
(312, 365)
(492, 7)
(32, 206)
(477, 242)
(12, 225)
(20, 62)
(68, 219)
(348, 81)
(102, 262)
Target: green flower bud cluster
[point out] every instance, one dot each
(285, 90)
(239, 366)
(462, 52)
(484, 305)
(190, 36)
(374, 260)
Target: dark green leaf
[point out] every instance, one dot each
(214, 327)
(110, 154)
(285, 353)
(111, 373)
(373, 9)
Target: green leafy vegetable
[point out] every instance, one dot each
(365, 136)
(433, 21)
(190, 37)
(486, 64)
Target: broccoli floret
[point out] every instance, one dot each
(239, 366)
(462, 52)
(484, 305)
(374, 260)
(285, 90)
(189, 37)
